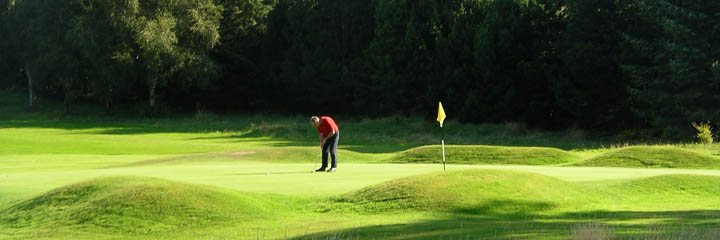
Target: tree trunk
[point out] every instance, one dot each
(108, 103)
(31, 98)
(66, 102)
(152, 96)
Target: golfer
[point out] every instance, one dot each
(329, 136)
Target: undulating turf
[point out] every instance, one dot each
(88, 176)
(132, 205)
(470, 191)
(510, 205)
(652, 157)
(489, 203)
(487, 191)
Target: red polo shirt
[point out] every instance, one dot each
(327, 124)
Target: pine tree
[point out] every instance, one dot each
(670, 64)
(591, 85)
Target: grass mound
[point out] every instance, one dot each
(130, 205)
(652, 157)
(674, 185)
(486, 155)
(667, 192)
(468, 191)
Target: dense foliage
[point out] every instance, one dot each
(608, 65)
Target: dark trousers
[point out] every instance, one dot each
(330, 147)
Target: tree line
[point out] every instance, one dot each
(607, 65)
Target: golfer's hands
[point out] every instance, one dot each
(322, 142)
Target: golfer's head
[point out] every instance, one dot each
(315, 121)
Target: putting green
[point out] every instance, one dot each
(280, 178)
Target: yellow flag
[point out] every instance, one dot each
(441, 114)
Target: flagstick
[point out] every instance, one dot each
(443, 146)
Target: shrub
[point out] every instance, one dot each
(704, 133)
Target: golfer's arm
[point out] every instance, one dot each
(330, 135)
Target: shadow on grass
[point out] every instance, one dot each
(620, 224)
(108, 125)
(127, 125)
(506, 208)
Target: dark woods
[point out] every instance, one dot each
(606, 65)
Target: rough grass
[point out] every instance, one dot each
(652, 157)
(486, 155)
(131, 205)
(592, 231)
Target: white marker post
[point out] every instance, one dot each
(443, 148)
(441, 119)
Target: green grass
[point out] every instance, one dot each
(468, 191)
(487, 155)
(365, 135)
(133, 205)
(487, 192)
(682, 191)
(88, 176)
(653, 157)
(431, 205)
(511, 204)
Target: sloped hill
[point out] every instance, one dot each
(131, 205)
(652, 157)
(471, 191)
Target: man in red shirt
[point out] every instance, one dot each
(329, 136)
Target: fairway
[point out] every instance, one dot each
(78, 179)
